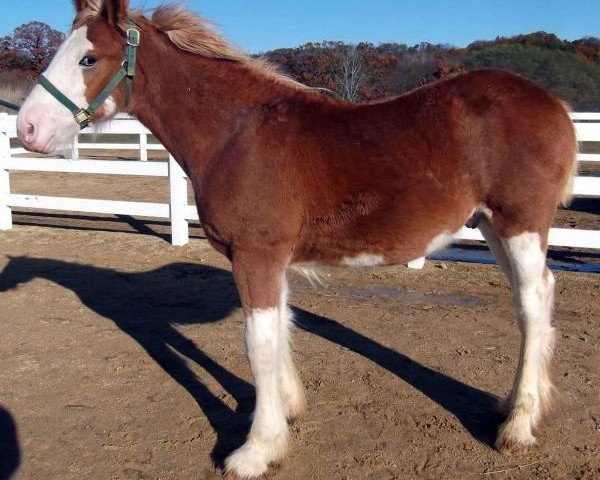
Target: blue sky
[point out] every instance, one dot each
(261, 25)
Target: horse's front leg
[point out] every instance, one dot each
(290, 386)
(260, 278)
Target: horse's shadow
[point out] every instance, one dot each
(142, 306)
(10, 453)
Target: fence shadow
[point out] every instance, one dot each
(108, 223)
(584, 204)
(10, 453)
(141, 305)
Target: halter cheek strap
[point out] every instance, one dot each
(127, 71)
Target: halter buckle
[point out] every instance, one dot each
(133, 37)
(82, 117)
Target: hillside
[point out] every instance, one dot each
(367, 72)
(364, 72)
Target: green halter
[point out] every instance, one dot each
(127, 71)
(10, 105)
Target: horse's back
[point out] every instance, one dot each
(416, 167)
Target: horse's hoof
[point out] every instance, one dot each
(252, 460)
(514, 436)
(245, 464)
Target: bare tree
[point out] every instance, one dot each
(348, 71)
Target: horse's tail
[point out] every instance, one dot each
(567, 191)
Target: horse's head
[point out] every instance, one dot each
(86, 63)
(19, 270)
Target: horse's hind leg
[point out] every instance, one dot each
(532, 286)
(494, 242)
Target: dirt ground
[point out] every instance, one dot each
(123, 357)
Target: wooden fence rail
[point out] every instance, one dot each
(178, 210)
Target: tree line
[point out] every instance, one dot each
(24, 54)
(365, 72)
(30, 47)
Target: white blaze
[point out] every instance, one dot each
(54, 123)
(67, 75)
(65, 72)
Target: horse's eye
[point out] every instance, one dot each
(88, 61)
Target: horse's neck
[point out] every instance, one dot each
(193, 104)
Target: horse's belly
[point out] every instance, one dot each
(361, 252)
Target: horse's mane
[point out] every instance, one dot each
(192, 33)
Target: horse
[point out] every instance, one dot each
(287, 177)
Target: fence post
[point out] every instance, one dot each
(75, 153)
(177, 203)
(144, 147)
(416, 264)
(5, 210)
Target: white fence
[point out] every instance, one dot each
(177, 210)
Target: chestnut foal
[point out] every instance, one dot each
(284, 176)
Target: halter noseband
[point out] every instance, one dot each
(127, 71)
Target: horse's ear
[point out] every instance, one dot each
(115, 11)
